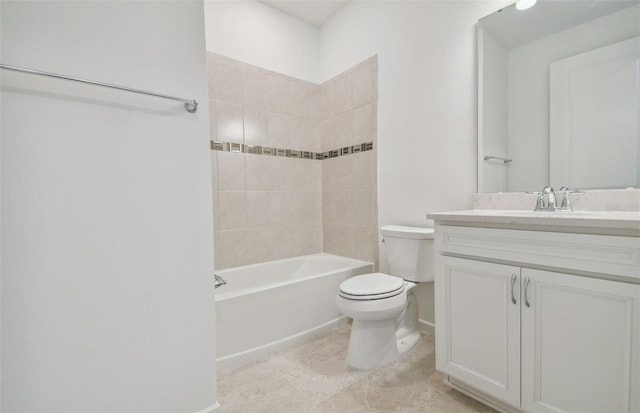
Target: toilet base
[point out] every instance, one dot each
(374, 343)
(407, 343)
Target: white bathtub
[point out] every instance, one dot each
(269, 306)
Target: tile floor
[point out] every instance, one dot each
(313, 377)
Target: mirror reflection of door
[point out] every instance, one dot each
(594, 112)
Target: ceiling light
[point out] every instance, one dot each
(525, 4)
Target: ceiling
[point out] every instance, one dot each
(314, 12)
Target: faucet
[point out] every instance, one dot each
(550, 205)
(566, 201)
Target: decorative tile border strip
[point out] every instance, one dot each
(289, 153)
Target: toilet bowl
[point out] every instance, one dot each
(383, 306)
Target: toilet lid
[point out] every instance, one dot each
(371, 286)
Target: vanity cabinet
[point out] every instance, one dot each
(539, 321)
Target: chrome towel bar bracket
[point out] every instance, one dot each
(190, 105)
(504, 160)
(219, 281)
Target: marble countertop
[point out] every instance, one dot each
(629, 220)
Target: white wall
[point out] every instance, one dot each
(426, 102)
(260, 35)
(107, 256)
(529, 100)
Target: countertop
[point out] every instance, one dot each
(615, 220)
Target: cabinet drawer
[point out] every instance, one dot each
(602, 254)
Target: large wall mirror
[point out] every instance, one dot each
(559, 96)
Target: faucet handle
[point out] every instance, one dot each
(539, 200)
(566, 200)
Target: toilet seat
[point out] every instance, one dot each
(374, 286)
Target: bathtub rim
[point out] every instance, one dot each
(222, 295)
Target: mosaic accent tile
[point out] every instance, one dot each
(289, 153)
(236, 147)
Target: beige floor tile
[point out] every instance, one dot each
(313, 377)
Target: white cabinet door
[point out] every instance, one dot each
(580, 344)
(478, 325)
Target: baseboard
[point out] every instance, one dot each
(231, 362)
(214, 408)
(427, 327)
(482, 398)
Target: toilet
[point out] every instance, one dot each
(383, 306)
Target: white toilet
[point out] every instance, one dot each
(383, 307)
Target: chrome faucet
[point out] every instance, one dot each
(566, 200)
(550, 204)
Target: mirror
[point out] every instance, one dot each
(559, 96)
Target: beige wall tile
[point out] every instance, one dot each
(344, 129)
(231, 171)
(363, 124)
(232, 209)
(282, 207)
(260, 173)
(302, 94)
(256, 127)
(227, 81)
(308, 207)
(330, 207)
(214, 169)
(279, 130)
(229, 122)
(365, 245)
(363, 202)
(284, 173)
(327, 132)
(299, 174)
(306, 239)
(342, 94)
(267, 208)
(362, 85)
(258, 209)
(231, 248)
(283, 242)
(216, 210)
(364, 170)
(260, 244)
(339, 239)
(326, 107)
(255, 92)
(337, 173)
(278, 94)
(212, 120)
(302, 134)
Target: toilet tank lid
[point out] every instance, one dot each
(399, 231)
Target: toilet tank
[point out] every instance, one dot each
(409, 252)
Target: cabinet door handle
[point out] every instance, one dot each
(526, 287)
(513, 283)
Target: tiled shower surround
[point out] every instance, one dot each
(294, 163)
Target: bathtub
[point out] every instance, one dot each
(270, 306)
